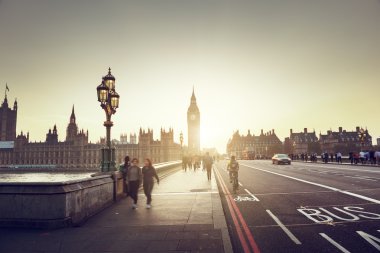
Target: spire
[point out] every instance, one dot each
(72, 117)
(15, 105)
(193, 98)
(5, 102)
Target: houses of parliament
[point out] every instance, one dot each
(76, 152)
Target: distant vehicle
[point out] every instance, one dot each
(248, 155)
(281, 159)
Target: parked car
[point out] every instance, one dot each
(281, 159)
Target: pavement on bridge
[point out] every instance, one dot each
(186, 216)
(303, 207)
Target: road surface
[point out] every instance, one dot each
(302, 207)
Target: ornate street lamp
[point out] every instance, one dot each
(362, 136)
(109, 101)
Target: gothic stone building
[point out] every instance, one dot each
(250, 146)
(8, 119)
(76, 152)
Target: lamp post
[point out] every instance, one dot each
(109, 101)
(362, 136)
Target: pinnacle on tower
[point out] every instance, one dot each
(193, 98)
(72, 117)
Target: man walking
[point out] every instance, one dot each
(208, 164)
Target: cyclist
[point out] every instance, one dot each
(233, 167)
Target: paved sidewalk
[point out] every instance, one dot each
(186, 216)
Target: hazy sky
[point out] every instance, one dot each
(254, 64)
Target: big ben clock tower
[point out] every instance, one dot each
(193, 125)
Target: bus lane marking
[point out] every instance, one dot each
(253, 196)
(337, 245)
(284, 228)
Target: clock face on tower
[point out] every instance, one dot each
(193, 116)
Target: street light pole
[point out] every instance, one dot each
(109, 101)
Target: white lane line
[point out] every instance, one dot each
(361, 178)
(285, 229)
(336, 168)
(377, 178)
(253, 196)
(179, 193)
(241, 184)
(320, 185)
(370, 239)
(337, 245)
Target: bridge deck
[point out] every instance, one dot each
(186, 216)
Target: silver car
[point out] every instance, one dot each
(281, 159)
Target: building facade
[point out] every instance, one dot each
(8, 120)
(345, 141)
(254, 147)
(193, 124)
(301, 143)
(76, 152)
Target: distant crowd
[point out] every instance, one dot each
(364, 157)
(195, 162)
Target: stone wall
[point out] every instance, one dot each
(53, 205)
(50, 205)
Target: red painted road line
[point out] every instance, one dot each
(234, 218)
(248, 233)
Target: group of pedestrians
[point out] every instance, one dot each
(134, 176)
(364, 157)
(196, 162)
(313, 157)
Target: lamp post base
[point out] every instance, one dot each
(108, 160)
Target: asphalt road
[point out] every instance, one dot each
(302, 207)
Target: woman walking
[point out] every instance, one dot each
(134, 180)
(149, 172)
(124, 170)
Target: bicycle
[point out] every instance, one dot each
(235, 182)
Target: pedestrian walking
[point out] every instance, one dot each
(134, 181)
(377, 156)
(124, 170)
(351, 157)
(339, 157)
(184, 163)
(208, 164)
(149, 172)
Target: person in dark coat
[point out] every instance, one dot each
(124, 171)
(149, 172)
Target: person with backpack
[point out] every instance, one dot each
(134, 181)
(233, 167)
(149, 172)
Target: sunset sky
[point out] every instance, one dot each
(254, 64)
